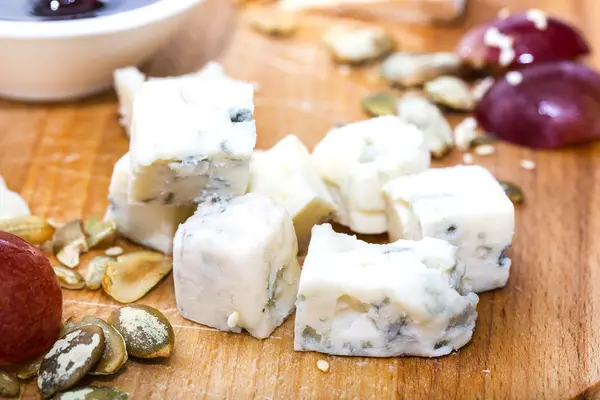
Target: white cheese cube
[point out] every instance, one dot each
(286, 174)
(464, 205)
(128, 82)
(237, 256)
(191, 140)
(361, 299)
(11, 203)
(150, 225)
(356, 160)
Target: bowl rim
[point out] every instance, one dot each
(106, 24)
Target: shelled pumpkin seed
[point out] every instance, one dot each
(33, 229)
(68, 242)
(69, 278)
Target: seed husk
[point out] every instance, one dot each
(378, 104)
(147, 332)
(69, 278)
(99, 232)
(513, 191)
(132, 275)
(274, 24)
(69, 242)
(29, 370)
(93, 393)
(414, 69)
(351, 45)
(9, 385)
(482, 140)
(450, 92)
(114, 355)
(70, 359)
(96, 270)
(33, 229)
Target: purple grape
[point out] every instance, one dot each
(60, 8)
(549, 105)
(535, 38)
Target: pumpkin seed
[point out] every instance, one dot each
(33, 229)
(132, 275)
(350, 45)
(450, 92)
(69, 242)
(9, 385)
(147, 332)
(99, 232)
(481, 88)
(274, 24)
(514, 192)
(95, 271)
(378, 104)
(29, 370)
(68, 278)
(414, 69)
(70, 359)
(93, 393)
(482, 140)
(114, 355)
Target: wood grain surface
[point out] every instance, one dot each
(538, 338)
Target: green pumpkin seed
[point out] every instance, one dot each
(114, 355)
(68, 278)
(514, 192)
(9, 385)
(378, 104)
(95, 271)
(69, 242)
(93, 393)
(450, 92)
(482, 140)
(99, 232)
(147, 332)
(70, 359)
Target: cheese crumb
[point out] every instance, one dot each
(486, 371)
(323, 365)
(114, 251)
(514, 78)
(233, 319)
(485, 150)
(528, 164)
(467, 158)
(494, 38)
(504, 13)
(464, 133)
(538, 17)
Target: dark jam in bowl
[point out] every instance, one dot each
(52, 10)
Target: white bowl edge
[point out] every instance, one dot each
(123, 21)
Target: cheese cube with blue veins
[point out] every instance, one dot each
(235, 265)
(356, 160)
(150, 225)
(191, 141)
(464, 205)
(400, 299)
(286, 174)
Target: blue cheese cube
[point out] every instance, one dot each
(150, 225)
(356, 160)
(400, 299)
(192, 140)
(235, 265)
(464, 205)
(128, 82)
(286, 174)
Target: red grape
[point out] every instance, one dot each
(520, 40)
(52, 8)
(549, 105)
(30, 301)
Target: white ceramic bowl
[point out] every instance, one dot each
(60, 60)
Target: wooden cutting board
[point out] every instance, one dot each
(536, 338)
